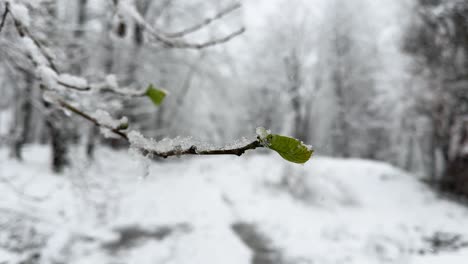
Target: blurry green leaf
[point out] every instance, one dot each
(290, 149)
(122, 126)
(156, 95)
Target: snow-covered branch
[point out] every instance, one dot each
(149, 147)
(52, 80)
(205, 22)
(45, 66)
(5, 13)
(127, 8)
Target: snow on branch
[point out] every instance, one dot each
(100, 121)
(45, 66)
(164, 148)
(290, 149)
(4, 15)
(205, 22)
(127, 8)
(185, 146)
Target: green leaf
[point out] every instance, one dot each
(156, 95)
(290, 149)
(122, 126)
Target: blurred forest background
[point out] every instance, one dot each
(354, 78)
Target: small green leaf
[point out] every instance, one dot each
(290, 149)
(156, 95)
(122, 126)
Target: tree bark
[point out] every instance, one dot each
(58, 141)
(23, 118)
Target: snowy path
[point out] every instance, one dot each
(328, 211)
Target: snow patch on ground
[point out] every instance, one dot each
(327, 211)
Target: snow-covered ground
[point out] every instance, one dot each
(123, 209)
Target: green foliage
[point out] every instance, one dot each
(288, 148)
(123, 126)
(156, 95)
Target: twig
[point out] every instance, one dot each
(5, 13)
(193, 150)
(71, 86)
(93, 120)
(205, 22)
(180, 44)
(24, 31)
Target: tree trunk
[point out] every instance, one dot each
(58, 141)
(455, 174)
(23, 118)
(342, 129)
(91, 141)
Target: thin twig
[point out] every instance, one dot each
(180, 44)
(24, 31)
(205, 22)
(104, 87)
(4, 16)
(193, 150)
(93, 120)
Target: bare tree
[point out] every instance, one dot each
(438, 42)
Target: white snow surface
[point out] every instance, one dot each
(326, 211)
(49, 77)
(21, 13)
(73, 80)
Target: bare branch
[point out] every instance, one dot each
(24, 31)
(104, 86)
(93, 120)
(172, 43)
(5, 13)
(205, 22)
(214, 42)
(179, 44)
(192, 150)
(108, 86)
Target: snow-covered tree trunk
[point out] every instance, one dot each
(55, 118)
(23, 116)
(295, 83)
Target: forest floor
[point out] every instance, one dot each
(122, 208)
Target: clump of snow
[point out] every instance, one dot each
(111, 80)
(262, 133)
(138, 141)
(48, 77)
(127, 9)
(49, 97)
(107, 133)
(238, 143)
(106, 119)
(33, 51)
(21, 13)
(178, 144)
(72, 80)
